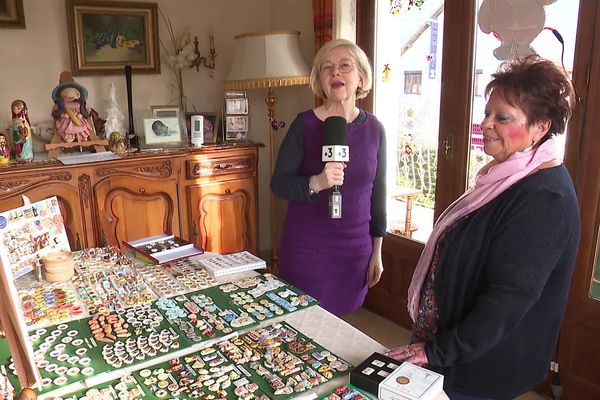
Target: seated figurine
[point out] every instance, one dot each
(71, 112)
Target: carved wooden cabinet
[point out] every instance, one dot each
(220, 199)
(209, 196)
(135, 200)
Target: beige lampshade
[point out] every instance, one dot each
(267, 59)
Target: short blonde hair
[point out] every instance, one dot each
(362, 63)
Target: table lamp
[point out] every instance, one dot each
(268, 60)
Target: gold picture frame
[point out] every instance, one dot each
(12, 14)
(106, 36)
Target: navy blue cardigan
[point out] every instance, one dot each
(501, 287)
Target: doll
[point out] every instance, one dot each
(21, 130)
(71, 112)
(4, 151)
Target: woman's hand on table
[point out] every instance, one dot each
(412, 353)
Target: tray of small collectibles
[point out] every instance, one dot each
(106, 280)
(345, 392)
(73, 352)
(271, 362)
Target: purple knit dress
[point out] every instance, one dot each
(329, 258)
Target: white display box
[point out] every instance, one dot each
(410, 382)
(232, 263)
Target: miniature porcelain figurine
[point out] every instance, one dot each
(21, 130)
(4, 151)
(71, 112)
(116, 143)
(515, 22)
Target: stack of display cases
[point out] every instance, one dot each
(236, 121)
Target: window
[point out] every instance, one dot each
(412, 82)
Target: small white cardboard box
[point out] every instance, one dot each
(409, 382)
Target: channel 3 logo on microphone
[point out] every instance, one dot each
(335, 153)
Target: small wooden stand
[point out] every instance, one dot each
(56, 143)
(409, 193)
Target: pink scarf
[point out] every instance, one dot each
(493, 179)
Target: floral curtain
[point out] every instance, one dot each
(323, 25)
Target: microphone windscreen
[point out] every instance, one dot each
(334, 131)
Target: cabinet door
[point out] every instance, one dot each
(43, 185)
(223, 215)
(131, 207)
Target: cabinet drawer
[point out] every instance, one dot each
(220, 166)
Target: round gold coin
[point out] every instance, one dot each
(403, 380)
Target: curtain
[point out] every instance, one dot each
(323, 22)
(323, 25)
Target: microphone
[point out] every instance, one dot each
(335, 149)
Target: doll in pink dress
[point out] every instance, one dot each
(71, 112)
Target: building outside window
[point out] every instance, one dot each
(412, 82)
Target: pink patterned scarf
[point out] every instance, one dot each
(493, 179)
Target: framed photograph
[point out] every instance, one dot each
(236, 123)
(165, 111)
(236, 128)
(236, 105)
(11, 14)
(106, 36)
(211, 125)
(163, 133)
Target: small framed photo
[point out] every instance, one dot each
(165, 111)
(211, 125)
(163, 133)
(236, 128)
(236, 105)
(236, 123)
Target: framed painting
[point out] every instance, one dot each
(11, 14)
(211, 125)
(106, 36)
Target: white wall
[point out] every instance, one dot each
(32, 59)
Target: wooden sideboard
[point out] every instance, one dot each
(208, 195)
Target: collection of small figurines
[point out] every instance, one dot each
(73, 119)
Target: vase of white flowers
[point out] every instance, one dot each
(180, 58)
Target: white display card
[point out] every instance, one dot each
(29, 232)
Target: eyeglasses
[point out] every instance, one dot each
(343, 66)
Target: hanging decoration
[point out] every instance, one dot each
(386, 72)
(398, 5)
(516, 23)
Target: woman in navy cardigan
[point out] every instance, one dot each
(488, 294)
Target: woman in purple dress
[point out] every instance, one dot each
(334, 260)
